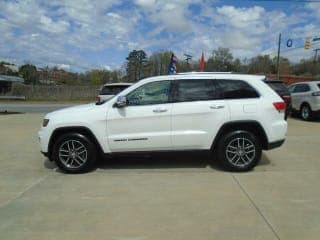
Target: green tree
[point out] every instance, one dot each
(29, 73)
(261, 64)
(221, 60)
(159, 63)
(136, 65)
(307, 67)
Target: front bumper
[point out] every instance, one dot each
(275, 144)
(45, 154)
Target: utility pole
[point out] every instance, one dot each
(188, 57)
(316, 54)
(278, 59)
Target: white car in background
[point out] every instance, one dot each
(305, 98)
(109, 90)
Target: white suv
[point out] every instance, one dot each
(306, 99)
(234, 116)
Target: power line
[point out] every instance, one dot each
(292, 48)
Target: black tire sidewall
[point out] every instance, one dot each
(87, 166)
(226, 139)
(310, 113)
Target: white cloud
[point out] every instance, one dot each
(47, 24)
(315, 8)
(74, 33)
(241, 17)
(172, 14)
(146, 4)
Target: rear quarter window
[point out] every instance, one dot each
(277, 86)
(235, 89)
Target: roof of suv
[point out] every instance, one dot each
(205, 75)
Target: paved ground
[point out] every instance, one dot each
(158, 198)
(29, 107)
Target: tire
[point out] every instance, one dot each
(239, 151)
(74, 153)
(305, 112)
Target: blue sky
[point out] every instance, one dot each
(80, 35)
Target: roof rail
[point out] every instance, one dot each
(187, 73)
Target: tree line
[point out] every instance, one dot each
(138, 66)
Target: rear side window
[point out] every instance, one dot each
(193, 90)
(235, 89)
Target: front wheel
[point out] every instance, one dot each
(239, 151)
(74, 153)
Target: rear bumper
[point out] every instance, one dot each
(275, 144)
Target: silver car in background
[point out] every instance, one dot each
(306, 99)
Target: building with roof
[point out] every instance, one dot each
(7, 81)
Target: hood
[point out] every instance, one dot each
(74, 109)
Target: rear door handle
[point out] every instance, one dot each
(216, 106)
(159, 110)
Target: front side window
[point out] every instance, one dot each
(193, 90)
(235, 89)
(150, 93)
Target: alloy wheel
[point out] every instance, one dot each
(73, 154)
(240, 152)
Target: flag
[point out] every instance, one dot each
(202, 63)
(172, 66)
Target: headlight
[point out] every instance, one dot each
(45, 122)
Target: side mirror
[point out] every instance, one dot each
(121, 102)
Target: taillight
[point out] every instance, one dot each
(98, 99)
(316, 94)
(280, 106)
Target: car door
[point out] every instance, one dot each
(196, 114)
(144, 124)
(299, 95)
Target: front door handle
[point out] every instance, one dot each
(217, 107)
(159, 110)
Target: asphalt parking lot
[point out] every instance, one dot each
(178, 197)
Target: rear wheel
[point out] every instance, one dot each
(74, 153)
(305, 112)
(239, 151)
